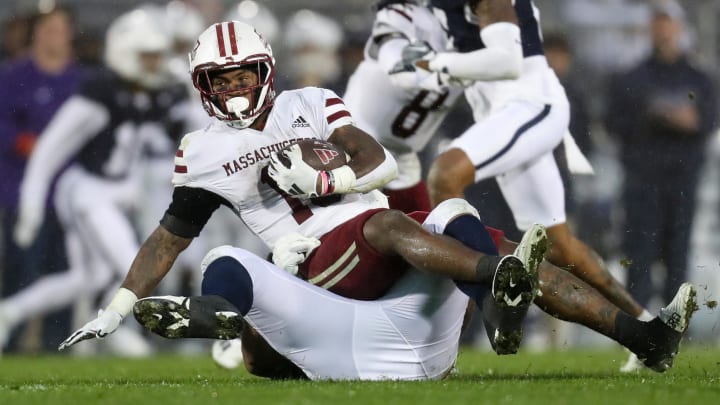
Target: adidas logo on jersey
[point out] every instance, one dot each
(300, 122)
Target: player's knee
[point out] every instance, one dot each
(395, 220)
(445, 212)
(449, 174)
(226, 277)
(214, 254)
(386, 229)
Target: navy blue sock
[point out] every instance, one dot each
(471, 232)
(229, 279)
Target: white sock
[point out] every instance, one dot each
(646, 316)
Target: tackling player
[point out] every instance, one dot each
(410, 333)
(401, 106)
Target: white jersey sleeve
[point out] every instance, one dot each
(395, 20)
(500, 59)
(336, 114)
(193, 163)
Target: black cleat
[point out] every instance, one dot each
(174, 317)
(668, 329)
(514, 288)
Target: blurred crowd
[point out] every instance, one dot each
(650, 209)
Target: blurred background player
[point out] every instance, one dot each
(104, 129)
(401, 107)
(521, 113)
(662, 149)
(259, 16)
(33, 87)
(311, 43)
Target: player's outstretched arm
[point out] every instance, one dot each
(152, 262)
(77, 121)
(502, 56)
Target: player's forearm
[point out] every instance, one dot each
(153, 261)
(370, 165)
(501, 59)
(378, 177)
(76, 122)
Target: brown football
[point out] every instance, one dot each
(318, 154)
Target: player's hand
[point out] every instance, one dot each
(416, 51)
(291, 250)
(408, 75)
(103, 325)
(299, 179)
(405, 74)
(419, 79)
(28, 223)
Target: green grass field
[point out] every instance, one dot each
(568, 377)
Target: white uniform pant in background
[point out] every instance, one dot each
(515, 144)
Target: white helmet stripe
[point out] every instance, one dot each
(220, 39)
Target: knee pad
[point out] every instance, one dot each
(226, 277)
(214, 254)
(445, 212)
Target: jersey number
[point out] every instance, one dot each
(413, 114)
(300, 211)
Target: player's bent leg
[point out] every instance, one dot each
(175, 317)
(568, 252)
(515, 282)
(449, 175)
(394, 234)
(656, 343)
(217, 314)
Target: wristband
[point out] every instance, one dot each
(123, 302)
(342, 179)
(326, 182)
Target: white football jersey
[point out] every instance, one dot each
(537, 81)
(232, 163)
(403, 121)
